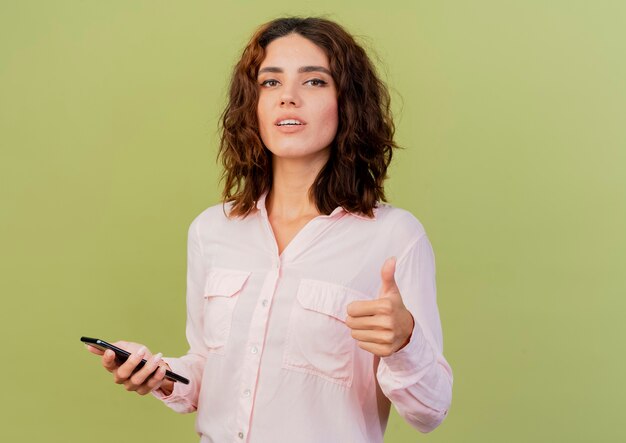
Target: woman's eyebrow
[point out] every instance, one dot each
(300, 70)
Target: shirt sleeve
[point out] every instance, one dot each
(417, 378)
(184, 398)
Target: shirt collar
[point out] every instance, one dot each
(260, 205)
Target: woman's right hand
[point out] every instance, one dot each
(143, 381)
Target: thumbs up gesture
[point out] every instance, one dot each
(382, 326)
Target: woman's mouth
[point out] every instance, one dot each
(290, 125)
(289, 122)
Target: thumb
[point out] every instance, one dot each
(387, 272)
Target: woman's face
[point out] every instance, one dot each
(297, 108)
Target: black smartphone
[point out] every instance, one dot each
(123, 355)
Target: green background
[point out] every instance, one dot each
(512, 115)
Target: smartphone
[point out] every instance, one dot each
(123, 355)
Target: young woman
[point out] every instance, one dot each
(311, 304)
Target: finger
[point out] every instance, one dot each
(94, 350)
(128, 367)
(378, 337)
(369, 322)
(362, 308)
(154, 382)
(108, 360)
(387, 273)
(139, 377)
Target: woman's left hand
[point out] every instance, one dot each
(382, 326)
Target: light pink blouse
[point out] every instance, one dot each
(271, 359)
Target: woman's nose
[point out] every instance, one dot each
(289, 96)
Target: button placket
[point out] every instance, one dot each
(252, 359)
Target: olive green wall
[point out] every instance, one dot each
(512, 115)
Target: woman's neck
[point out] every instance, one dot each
(289, 198)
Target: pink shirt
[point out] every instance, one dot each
(271, 359)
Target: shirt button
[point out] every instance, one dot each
(254, 349)
(264, 303)
(240, 435)
(246, 393)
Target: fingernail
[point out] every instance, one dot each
(142, 351)
(156, 358)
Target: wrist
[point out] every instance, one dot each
(167, 387)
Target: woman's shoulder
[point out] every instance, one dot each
(214, 216)
(400, 221)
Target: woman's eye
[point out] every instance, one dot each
(316, 82)
(269, 83)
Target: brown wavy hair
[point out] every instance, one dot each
(363, 145)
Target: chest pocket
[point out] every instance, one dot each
(318, 340)
(221, 292)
